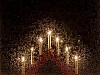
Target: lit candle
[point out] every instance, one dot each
(49, 39)
(23, 65)
(40, 45)
(57, 45)
(67, 55)
(76, 64)
(31, 54)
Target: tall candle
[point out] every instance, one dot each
(49, 39)
(57, 45)
(40, 46)
(23, 65)
(76, 64)
(32, 54)
(67, 55)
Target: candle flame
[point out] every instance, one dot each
(40, 39)
(23, 59)
(76, 57)
(32, 48)
(57, 39)
(49, 32)
(66, 49)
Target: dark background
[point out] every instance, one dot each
(83, 16)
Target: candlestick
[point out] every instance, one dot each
(31, 54)
(23, 65)
(76, 64)
(57, 45)
(40, 46)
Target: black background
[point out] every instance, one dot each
(81, 14)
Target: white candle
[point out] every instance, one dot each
(49, 39)
(40, 46)
(57, 45)
(23, 65)
(76, 64)
(32, 54)
(67, 55)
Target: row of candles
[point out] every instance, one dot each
(49, 47)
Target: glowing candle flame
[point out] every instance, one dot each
(32, 48)
(40, 40)
(23, 59)
(57, 39)
(76, 57)
(49, 32)
(66, 49)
